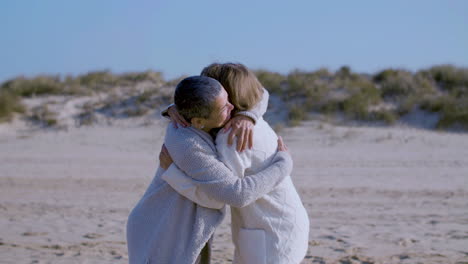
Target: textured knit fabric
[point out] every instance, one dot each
(166, 227)
(274, 228)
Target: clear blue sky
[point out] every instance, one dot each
(181, 37)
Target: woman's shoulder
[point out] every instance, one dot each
(179, 134)
(187, 138)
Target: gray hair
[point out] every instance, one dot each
(194, 96)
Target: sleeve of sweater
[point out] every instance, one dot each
(186, 187)
(201, 166)
(259, 109)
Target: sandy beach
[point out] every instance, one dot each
(373, 194)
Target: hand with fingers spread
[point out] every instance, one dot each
(242, 128)
(165, 159)
(176, 118)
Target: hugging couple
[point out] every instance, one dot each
(201, 172)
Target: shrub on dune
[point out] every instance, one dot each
(363, 94)
(386, 116)
(296, 114)
(98, 80)
(42, 115)
(395, 84)
(304, 86)
(356, 107)
(408, 104)
(9, 104)
(453, 111)
(40, 85)
(271, 80)
(332, 106)
(385, 96)
(449, 77)
(345, 73)
(131, 78)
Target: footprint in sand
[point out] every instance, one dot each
(34, 233)
(356, 259)
(329, 237)
(315, 260)
(405, 242)
(115, 254)
(92, 235)
(314, 243)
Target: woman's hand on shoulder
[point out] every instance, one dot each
(176, 118)
(242, 129)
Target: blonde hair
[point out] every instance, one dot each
(242, 86)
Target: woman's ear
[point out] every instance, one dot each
(198, 122)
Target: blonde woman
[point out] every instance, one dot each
(275, 227)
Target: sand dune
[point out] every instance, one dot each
(374, 195)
